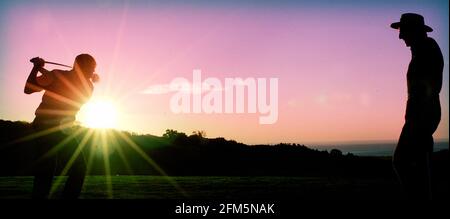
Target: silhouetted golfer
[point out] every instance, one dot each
(65, 92)
(423, 111)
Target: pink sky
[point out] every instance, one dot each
(342, 71)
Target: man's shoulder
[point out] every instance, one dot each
(59, 71)
(431, 42)
(428, 48)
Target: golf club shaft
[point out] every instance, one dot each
(54, 63)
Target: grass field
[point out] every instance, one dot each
(210, 187)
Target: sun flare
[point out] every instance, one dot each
(99, 114)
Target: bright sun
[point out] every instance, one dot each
(99, 114)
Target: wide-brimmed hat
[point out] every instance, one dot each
(412, 20)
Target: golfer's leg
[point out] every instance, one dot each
(420, 188)
(422, 144)
(423, 183)
(43, 178)
(400, 158)
(405, 161)
(75, 181)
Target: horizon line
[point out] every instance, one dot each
(306, 143)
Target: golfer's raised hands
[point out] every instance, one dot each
(38, 62)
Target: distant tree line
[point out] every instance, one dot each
(176, 153)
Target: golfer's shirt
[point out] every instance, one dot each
(424, 80)
(65, 93)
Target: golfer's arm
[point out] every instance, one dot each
(32, 84)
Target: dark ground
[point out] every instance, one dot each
(220, 188)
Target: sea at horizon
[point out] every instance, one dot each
(372, 149)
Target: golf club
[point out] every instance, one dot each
(54, 63)
(33, 60)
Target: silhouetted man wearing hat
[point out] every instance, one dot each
(423, 111)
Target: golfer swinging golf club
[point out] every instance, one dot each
(64, 94)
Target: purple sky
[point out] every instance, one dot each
(341, 68)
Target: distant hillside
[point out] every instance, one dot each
(179, 154)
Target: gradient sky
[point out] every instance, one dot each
(341, 68)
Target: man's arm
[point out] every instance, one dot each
(31, 84)
(36, 83)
